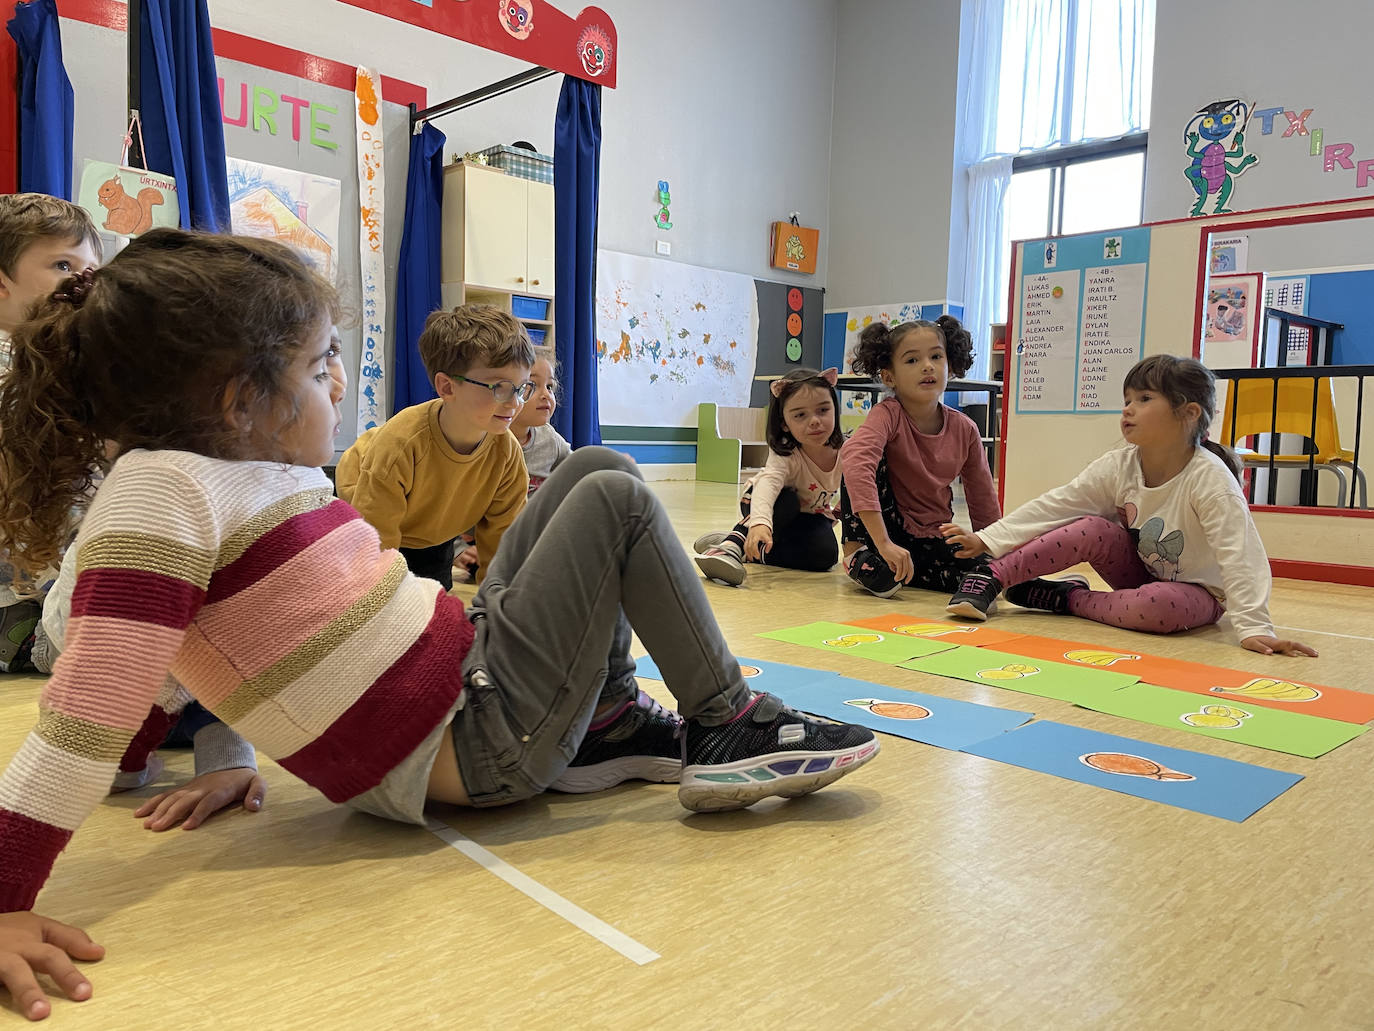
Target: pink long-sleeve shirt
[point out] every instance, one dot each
(921, 467)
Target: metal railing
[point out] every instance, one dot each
(1321, 444)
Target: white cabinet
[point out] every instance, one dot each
(497, 231)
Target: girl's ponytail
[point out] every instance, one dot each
(48, 450)
(958, 345)
(1229, 457)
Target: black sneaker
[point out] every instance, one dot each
(973, 599)
(641, 745)
(769, 749)
(869, 571)
(1050, 595)
(17, 623)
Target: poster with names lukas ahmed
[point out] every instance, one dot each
(1080, 320)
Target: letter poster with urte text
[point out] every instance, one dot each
(1079, 320)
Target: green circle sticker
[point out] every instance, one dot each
(794, 350)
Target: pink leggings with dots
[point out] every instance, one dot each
(1137, 601)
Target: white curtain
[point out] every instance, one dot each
(1038, 74)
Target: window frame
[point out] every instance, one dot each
(1058, 160)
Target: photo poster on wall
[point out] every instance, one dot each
(670, 336)
(1080, 320)
(1232, 321)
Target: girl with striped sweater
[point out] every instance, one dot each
(215, 552)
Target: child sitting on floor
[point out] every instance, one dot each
(789, 507)
(216, 551)
(1162, 520)
(898, 466)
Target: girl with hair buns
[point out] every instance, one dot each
(899, 465)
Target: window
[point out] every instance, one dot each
(1068, 190)
(1054, 108)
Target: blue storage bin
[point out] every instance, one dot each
(536, 335)
(529, 307)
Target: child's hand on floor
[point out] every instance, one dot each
(970, 544)
(1270, 645)
(898, 560)
(197, 801)
(760, 539)
(31, 944)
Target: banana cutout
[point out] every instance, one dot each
(1272, 690)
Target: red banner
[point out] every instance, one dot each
(532, 30)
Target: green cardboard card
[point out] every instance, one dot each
(1229, 719)
(861, 642)
(1021, 673)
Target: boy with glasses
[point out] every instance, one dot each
(438, 468)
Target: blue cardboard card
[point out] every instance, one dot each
(944, 722)
(1189, 780)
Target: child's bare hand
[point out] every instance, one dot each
(760, 539)
(31, 944)
(467, 557)
(1270, 645)
(970, 544)
(194, 803)
(898, 560)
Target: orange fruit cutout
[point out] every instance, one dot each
(891, 710)
(749, 671)
(1127, 765)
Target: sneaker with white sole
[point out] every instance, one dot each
(17, 624)
(1047, 595)
(869, 571)
(640, 743)
(768, 749)
(708, 540)
(723, 562)
(975, 597)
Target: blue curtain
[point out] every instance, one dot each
(417, 278)
(183, 133)
(576, 186)
(45, 101)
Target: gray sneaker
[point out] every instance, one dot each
(708, 540)
(724, 562)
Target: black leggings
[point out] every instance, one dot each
(801, 540)
(435, 563)
(936, 568)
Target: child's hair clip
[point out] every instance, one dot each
(75, 289)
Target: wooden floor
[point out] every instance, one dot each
(931, 889)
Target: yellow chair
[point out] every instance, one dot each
(1250, 402)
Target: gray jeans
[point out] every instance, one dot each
(591, 556)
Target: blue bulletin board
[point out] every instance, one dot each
(1079, 320)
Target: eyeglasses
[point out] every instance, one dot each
(503, 391)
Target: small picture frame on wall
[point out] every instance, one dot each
(1233, 320)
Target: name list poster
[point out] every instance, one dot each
(1080, 320)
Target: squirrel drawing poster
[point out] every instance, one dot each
(128, 201)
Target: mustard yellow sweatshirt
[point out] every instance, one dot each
(416, 491)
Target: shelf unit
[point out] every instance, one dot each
(497, 245)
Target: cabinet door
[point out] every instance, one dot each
(495, 216)
(540, 238)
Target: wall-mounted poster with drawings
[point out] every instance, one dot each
(1232, 322)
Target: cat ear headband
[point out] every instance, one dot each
(831, 376)
(74, 290)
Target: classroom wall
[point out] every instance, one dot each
(892, 153)
(730, 102)
(1278, 55)
(95, 58)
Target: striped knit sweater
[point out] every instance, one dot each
(270, 600)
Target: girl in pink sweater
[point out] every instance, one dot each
(215, 552)
(789, 507)
(898, 466)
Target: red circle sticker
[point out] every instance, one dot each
(794, 324)
(794, 299)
